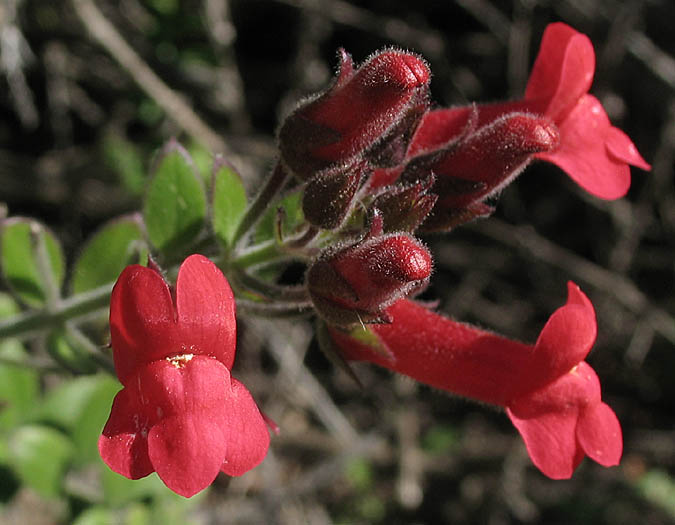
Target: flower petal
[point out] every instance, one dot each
(123, 444)
(622, 148)
(187, 451)
(583, 153)
(244, 430)
(141, 320)
(567, 337)
(205, 310)
(187, 445)
(441, 126)
(599, 434)
(562, 72)
(551, 441)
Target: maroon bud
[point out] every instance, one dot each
(403, 208)
(470, 170)
(357, 283)
(329, 196)
(370, 111)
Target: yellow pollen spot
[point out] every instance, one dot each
(179, 361)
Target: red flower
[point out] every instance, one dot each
(180, 412)
(591, 151)
(566, 420)
(549, 392)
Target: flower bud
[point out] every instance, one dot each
(478, 166)
(371, 112)
(328, 197)
(357, 283)
(404, 207)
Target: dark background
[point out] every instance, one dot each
(395, 452)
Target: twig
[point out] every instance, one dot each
(179, 111)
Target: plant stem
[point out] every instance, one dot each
(262, 253)
(272, 186)
(40, 320)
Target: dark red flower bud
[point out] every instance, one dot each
(471, 169)
(371, 112)
(404, 207)
(357, 283)
(328, 197)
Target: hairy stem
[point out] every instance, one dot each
(272, 186)
(24, 324)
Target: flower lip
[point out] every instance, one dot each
(417, 72)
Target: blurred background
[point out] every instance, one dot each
(89, 91)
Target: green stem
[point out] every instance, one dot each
(271, 291)
(275, 310)
(262, 253)
(39, 320)
(272, 186)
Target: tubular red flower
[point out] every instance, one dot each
(180, 412)
(474, 363)
(591, 151)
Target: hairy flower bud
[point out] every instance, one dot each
(472, 169)
(369, 112)
(357, 283)
(328, 197)
(404, 207)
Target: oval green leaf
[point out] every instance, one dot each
(175, 204)
(228, 201)
(40, 456)
(19, 386)
(107, 252)
(20, 241)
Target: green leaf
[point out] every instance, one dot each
(440, 439)
(118, 490)
(138, 514)
(19, 252)
(92, 418)
(658, 487)
(107, 252)
(202, 159)
(228, 200)
(40, 455)
(125, 160)
(96, 515)
(76, 394)
(175, 205)
(69, 353)
(291, 208)
(19, 387)
(359, 472)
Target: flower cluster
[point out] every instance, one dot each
(375, 164)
